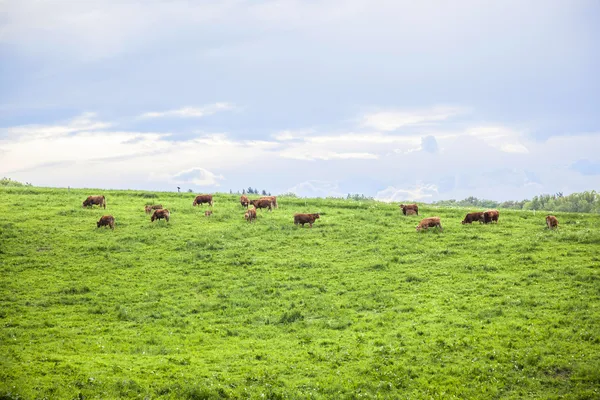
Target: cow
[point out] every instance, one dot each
(207, 213)
(106, 220)
(410, 211)
(203, 198)
(407, 207)
(160, 214)
(305, 219)
(150, 208)
(490, 216)
(244, 201)
(262, 203)
(430, 222)
(272, 199)
(91, 200)
(551, 222)
(474, 216)
(250, 215)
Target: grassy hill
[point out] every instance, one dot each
(358, 306)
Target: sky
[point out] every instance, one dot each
(398, 100)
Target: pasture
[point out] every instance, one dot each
(359, 306)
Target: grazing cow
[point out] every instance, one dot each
(305, 219)
(149, 209)
(250, 215)
(207, 213)
(407, 207)
(106, 220)
(430, 222)
(474, 216)
(551, 222)
(272, 199)
(490, 216)
(160, 214)
(262, 203)
(203, 198)
(91, 200)
(244, 201)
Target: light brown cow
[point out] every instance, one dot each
(150, 208)
(551, 222)
(430, 222)
(406, 207)
(490, 216)
(106, 220)
(272, 199)
(207, 213)
(305, 219)
(92, 200)
(203, 198)
(250, 215)
(474, 216)
(160, 214)
(244, 201)
(262, 203)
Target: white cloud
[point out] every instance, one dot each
(418, 192)
(83, 123)
(500, 137)
(190, 112)
(316, 188)
(391, 120)
(197, 176)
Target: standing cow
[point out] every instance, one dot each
(475, 216)
(151, 208)
(490, 216)
(272, 199)
(551, 222)
(203, 198)
(430, 222)
(262, 203)
(306, 219)
(407, 207)
(244, 201)
(106, 220)
(250, 215)
(160, 214)
(92, 200)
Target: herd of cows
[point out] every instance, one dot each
(270, 202)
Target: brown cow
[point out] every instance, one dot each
(244, 201)
(272, 199)
(551, 222)
(91, 200)
(262, 203)
(106, 220)
(203, 198)
(250, 215)
(474, 216)
(305, 219)
(207, 213)
(160, 214)
(410, 211)
(407, 207)
(430, 222)
(490, 216)
(149, 208)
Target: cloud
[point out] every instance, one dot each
(316, 188)
(197, 176)
(417, 192)
(500, 137)
(586, 167)
(190, 112)
(392, 120)
(326, 155)
(85, 122)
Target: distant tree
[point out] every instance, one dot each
(264, 192)
(243, 191)
(269, 194)
(190, 191)
(250, 190)
(230, 192)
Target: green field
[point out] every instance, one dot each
(359, 306)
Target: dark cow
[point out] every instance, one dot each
(490, 216)
(305, 219)
(430, 222)
(149, 208)
(272, 199)
(551, 222)
(474, 216)
(203, 198)
(407, 207)
(262, 203)
(98, 200)
(250, 215)
(160, 214)
(106, 220)
(244, 201)
(207, 213)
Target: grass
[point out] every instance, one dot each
(358, 306)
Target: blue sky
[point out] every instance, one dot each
(393, 99)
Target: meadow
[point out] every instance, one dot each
(359, 306)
